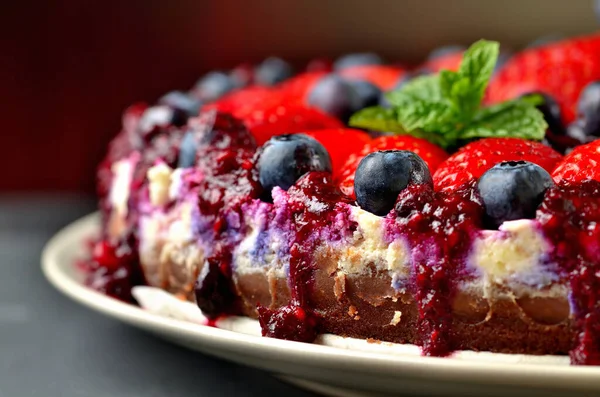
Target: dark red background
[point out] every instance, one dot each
(68, 68)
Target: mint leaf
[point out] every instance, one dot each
(381, 119)
(430, 116)
(475, 70)
(377, 118)
(517, 118)
(426, 88)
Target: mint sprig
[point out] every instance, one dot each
(445, 108)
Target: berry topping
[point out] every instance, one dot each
(213, 86)
(472, 160)
(155, 117)
(285, 158)
(214, 295)
(358, 59)
(512, 190)
(187, 151)
(184, 106)
(551, 111)
(335, 96)
(368, 93)
(579, 165)
(272, 70)
(430, 153)
(340, 144)
(445, 108)
(548, 69)
(588, 111)
(384, 77)
(381, 176)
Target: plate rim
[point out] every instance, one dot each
(419, 367)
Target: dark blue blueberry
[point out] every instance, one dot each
(283, 159)
(445, 50)
(335, 96)
(213, 86)
(381, 176)
(187, 150)
(551, 111)
(272, 70)
(368, 92)
(588, 108)
(184, 106)
(512, 190)
(358, 59)
(578, 131)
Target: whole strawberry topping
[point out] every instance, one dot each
(559, 69)
(472, 160)
(582, 164)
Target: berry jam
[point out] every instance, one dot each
(570, 217)
(440, 228)
(315, 203)
(225, 156)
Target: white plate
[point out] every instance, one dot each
(342, 365)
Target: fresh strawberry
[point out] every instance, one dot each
(384, 77)
(449, 61)
(559, 69)
(579, 165)
(242, 101)
(433, 155)
(286, 118)
(298, 87)
(472, 160)
(340, 144)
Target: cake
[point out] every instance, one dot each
(369, 200)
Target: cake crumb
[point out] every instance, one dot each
(352, 312)
(394, 299)
(396, 318)
(375, 341)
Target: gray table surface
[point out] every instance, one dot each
(51, 346)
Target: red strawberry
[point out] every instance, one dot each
(384, 77)
(242, 101)
(340, 144)
(472, 160)
(559, 69)
(283, 118)
(449, 61)
(432, 154)
(298, 87)
(583, 163)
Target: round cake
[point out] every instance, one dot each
(454, 205)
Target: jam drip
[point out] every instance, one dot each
(315, 203)
(440, 228)
(570, 217)
(225, 158)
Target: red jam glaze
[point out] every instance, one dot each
(315, 202)
(570, 217)
(226, 157)
(440, 228)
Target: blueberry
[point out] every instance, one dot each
(551, 111)
(272, 71)
(512, 190)
(358, 59)
(335, 96)
(368, 92)
(578, 131)
(445, 50)
(184, 106)
(187, 150)
(588, 109)
(213, 86)
(381, 176)
(284, 159)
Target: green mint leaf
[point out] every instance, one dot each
(378, 118)
(475, 71)
(426, 115)
(518, 119)
(422, 87)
